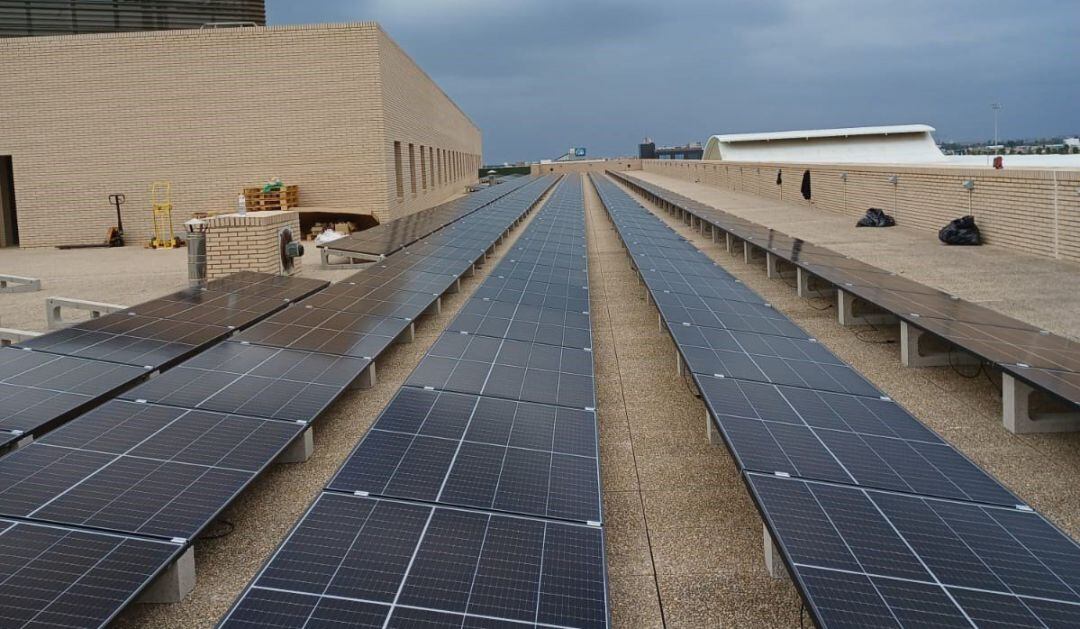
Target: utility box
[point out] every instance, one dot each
(267, 242)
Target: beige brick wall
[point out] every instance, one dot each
(247, 243)
(211, 111)
(586, 166)
(1028, 210)
(446, 144)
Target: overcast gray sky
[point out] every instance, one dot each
(537, 77)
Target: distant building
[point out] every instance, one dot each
(19, 18)
(895, 144)
(647, 149)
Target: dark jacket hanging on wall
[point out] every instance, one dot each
(806, 185)
(779, 179)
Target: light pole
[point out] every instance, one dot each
(996, 107)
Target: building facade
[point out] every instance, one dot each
(29, 18)
(339, 110)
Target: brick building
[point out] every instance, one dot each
(339, 110)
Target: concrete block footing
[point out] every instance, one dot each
(919, 348)
(351, 260)
(300, 450)
(1019, 414)
(773, 265)
(850, 310)
(175, 583)
(748, 252)
(774, 563)
(710, 430)
(679, 364)
(10, 336)
(408, 335)
(19, 284)
(367, 378)
(805, 284)
(436, 307)
(54, 307)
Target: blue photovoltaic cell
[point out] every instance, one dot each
(373, 557)
(885, 559)
(480, 452)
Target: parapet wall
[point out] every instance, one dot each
(1033, 211)
(586, 166)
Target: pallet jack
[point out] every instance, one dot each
(161, 203)
(114, 237)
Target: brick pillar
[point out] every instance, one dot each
(247, 243)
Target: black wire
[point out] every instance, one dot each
(978, 370)
(875, 329)
(809, 303)
(686, 381)
(228, 527)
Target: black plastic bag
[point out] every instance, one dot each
(961, 231)
(876, 218)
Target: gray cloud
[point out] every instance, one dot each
(540, 76)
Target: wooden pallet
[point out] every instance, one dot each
(258, 201)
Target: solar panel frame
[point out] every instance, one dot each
(454, 549)
(484, 453)
(103, 572)
(841, 523)
(141, 469)
(254, 380)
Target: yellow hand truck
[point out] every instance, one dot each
(161, 203)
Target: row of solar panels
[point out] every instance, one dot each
(49, 379)
(387, 238)
(474, 499)
(1044, 360)
(97, 508)
(880, 521)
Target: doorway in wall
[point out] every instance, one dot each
(9, 227)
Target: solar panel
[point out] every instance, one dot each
(375, 561)
(39, 390)
(197, 305)
(855, 440)
(253, 380)
(388, 238)
(56, 576)
(327, 331)
(480, 452)
(516, 370)
(152, 343)
(871, 558)
(775, 359)
(523, 322)
(140, 468)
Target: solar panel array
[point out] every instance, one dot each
(468, 503)
(387, 238)
(51, 378)
(880, 521)
(96, 509)
(1045, 360)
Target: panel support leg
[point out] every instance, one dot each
(774, 563)
(772, 265)
(436, 307)
(300, 450)
(729, 243)
(175, 583)
(803, 281)
(367, 377)
(919, 348)
(408, 335)
(678, 362)
(845, 308)
(710, 430)
(1019, 417)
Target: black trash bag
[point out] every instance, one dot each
(805, 187)
(876, 217)
(961, 231)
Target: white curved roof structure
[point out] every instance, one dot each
(895, 144)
